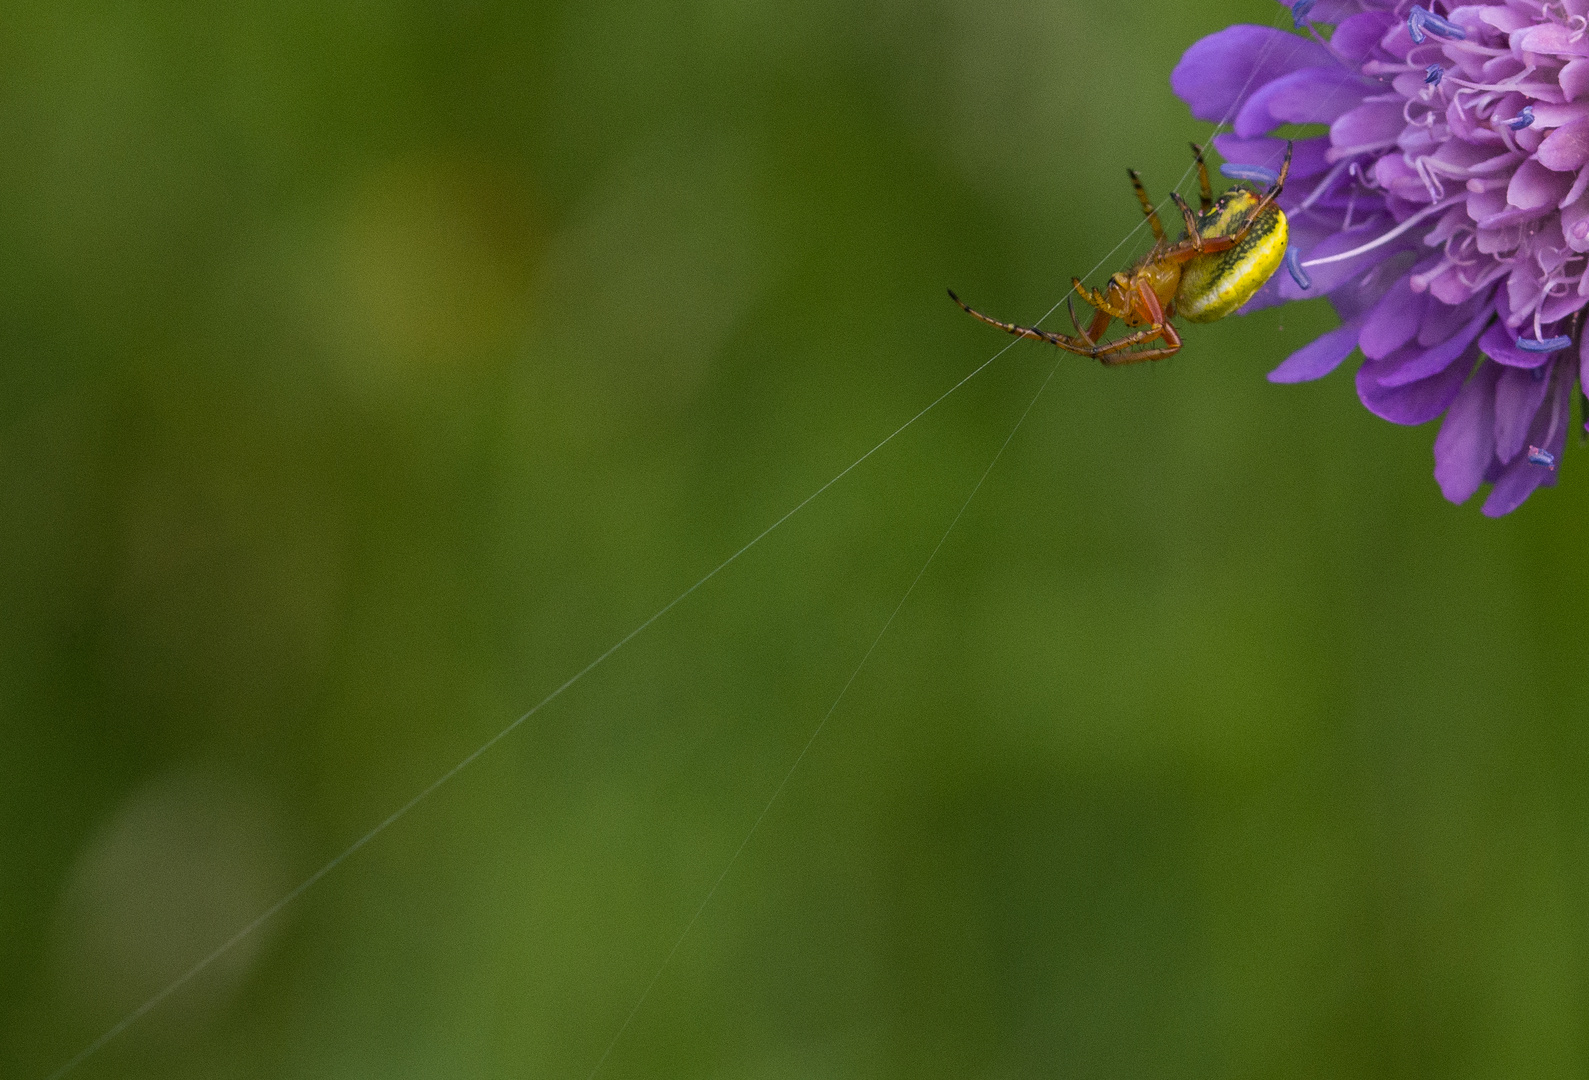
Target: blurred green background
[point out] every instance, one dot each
(370, 368)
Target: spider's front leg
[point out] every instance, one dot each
(1190, 220)
(1081, 347)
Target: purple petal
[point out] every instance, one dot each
(1373, 123)
(1358, 296)
(1567, 148)
(1548, 115)
(1575, 223)
(1307, 155)
(1513, 487)
(1315, 95)
(1394, 321)
(1466, 442)
(1319, 357)
(1421, 365)
(1443, 320)
(1551, 38)
(1533, 186)
(1396, 41)
(1523, 291)
(1583, 373)
(1517, 398)
(1574, 78)
(1500, 344)
(1220, 68)
(1357, 35)
(1549, 430)
(1414, 403)
(1506, 20)
(1555, 308)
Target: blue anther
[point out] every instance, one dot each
(1536, 456)
(1294, 266)
(1433, 74)
(1554, 344)
(1522, 119)
(1248, 172)
(1299, 12)
(1421, 19)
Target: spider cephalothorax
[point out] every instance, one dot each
(1228, 252)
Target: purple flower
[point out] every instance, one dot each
(1445, 215)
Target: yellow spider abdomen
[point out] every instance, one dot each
(1213, 286)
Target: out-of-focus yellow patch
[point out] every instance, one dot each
(430, 263)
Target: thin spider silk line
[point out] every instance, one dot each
(765, 810)
(271, 912)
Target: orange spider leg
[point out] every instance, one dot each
(1190, 248)
(1147, 205)
(1274, 190)
(1058, 340)
(1205, 193)
(1096, 299)
(1144, 307)
(1103, 311)
(1080, 333)
(1189, 218)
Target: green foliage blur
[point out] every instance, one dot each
(369, 369)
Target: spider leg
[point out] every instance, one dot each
(1269, 196)
(1095, 299)
(1071, 307)
(1190, 219)
(1191, 248)
(1058, 340)
(1205, 193)
(1147, 204)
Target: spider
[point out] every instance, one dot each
(1226, 255)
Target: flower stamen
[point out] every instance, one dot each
(1549, 345)
(1391, 235)
(1294, 267)
(1324, 185)
(1256, 173)
(1421, 19)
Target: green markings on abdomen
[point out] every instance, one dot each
(1213, 286)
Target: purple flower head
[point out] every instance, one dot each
(1445, 215)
